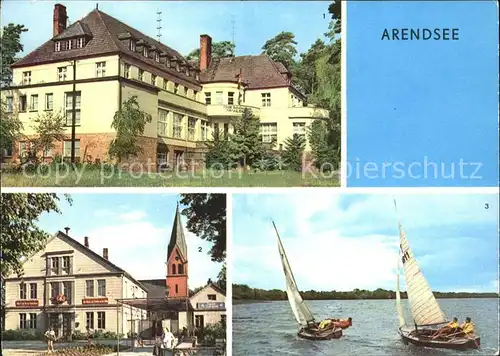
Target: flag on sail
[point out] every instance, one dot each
(424, 306)
(299, 308)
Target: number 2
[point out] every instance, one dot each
(199, 249)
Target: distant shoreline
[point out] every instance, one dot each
(246, 294)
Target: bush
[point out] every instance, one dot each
(21, 334)
(210, 333)
(87, 350)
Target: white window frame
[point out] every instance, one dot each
(47, 96)
(203, 130)
(266, 100)
(191, 128)
(219, 97)
(230, 98)
(132, 46)
(62, 73)
(145, 51)
(153, 79)
(269, 130)
(69, 108)
(80, 42)
(141, 75)
(70, 45)
(177, 131)
(33, 107)
(163, 122)
(208, 98)
(58, 46)
(157, 57)
(27, 78)
(299, 128)
(100, 68)
(126, 70)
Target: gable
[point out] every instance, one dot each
(202, 295)
(84, 261)
(176, 252)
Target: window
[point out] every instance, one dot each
(55, 265)
(174, 269)
(58, 46)
(167, 62)
(89, 288)
(54, 290)
(299, 128)
(218, 98)
(191, 131)
(22, 321)
(27, 78)
(187, 72)
(184, 91)
(32, 321)
(67, 148)
(100, 69)
(126, 70)
(197, 76)
(80, 42)
(176, 88)
(195, 95)
(176, 289)
(33, 294)
(208, 98)
(230, 98)
(9, 101)
(212, 297)
(165, 84)
(7, 151)
(204, 130)
(269, 132)
(23, 103)
(145, 51)
(22, 149)
(141, 74)
(177, 127)
(66, 262)
(199, 321)
(68, 291)
(22, 291)
(180, 269)
(69, 108)
(266, 99)
(34, 102)
(101, 320)
(157, 56)
(89, 317)
(49, 101)
(70, 44)
(101, 287)
(131, 45)
(178, 67)
(61, 73)
(162, 122)
(153, 79)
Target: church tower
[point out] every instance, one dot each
(177, 262)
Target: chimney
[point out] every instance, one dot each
(205, 51)
(67, 230)
(59, 20)
(105, 253)
(86, 241)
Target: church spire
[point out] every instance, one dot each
(177, 237)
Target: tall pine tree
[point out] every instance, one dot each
(246, 142)
(292, 155)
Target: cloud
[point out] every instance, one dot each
(133, 215)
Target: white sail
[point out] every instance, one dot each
(399, 307)
(424, 306)
(299, 308)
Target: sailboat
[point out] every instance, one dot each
(308, 326)
(427, 314)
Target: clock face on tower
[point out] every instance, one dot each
(177, 258)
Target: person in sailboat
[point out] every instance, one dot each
(342, 323)
(450, 328)
(467, 326)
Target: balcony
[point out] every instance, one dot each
(306, 112)
(230, 110)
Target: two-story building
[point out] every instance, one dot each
(87, 70)
(70, 287)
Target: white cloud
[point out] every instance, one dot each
(133, 215)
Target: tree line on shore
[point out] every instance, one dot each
(244, 292)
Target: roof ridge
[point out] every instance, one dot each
(117, 47)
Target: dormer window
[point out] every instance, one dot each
(187, 72)
(157, 57)
(58, 46)
(131, 45)
(145, 51)
(197, 76)
(70, 45)
(167, 62)
(178, 67)
(80, 42)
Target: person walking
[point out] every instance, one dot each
(51, 337)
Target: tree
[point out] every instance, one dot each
(305, 70)
(335, 9)
(219, 50)
(206, 215)
(221, 278)
(129, 123)
(21, 237)
(48, 127)
(294, 147)
(246, 142)
(326, 155)
(10, 128)
(281, 48)
(218, 154)
(10, 40)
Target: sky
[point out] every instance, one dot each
(345, 241)
(136, 230)
(184, 22)
(407, 100)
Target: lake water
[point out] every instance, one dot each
(269, 328)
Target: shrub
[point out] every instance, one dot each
(210, 333)
(21, 334)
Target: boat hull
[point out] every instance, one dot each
(329, 334)
(458, 343)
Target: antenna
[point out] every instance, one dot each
(159, 25)
(233, 29)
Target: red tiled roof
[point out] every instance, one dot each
(104, 30)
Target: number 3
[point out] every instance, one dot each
(486, 206)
